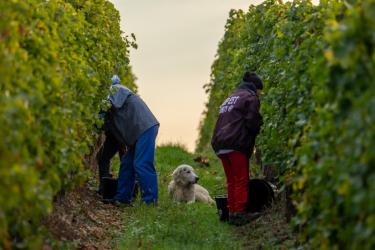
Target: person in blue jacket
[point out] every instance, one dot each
(134, 125)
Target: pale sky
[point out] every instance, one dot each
(177, 41)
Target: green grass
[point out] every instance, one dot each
(173, 225)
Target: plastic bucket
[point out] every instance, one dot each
(109, 187)
(221, 205)
(261, 195)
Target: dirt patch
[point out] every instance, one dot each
(271, 231)
(82, 218)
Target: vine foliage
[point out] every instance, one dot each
(318, 66)
(56, 60)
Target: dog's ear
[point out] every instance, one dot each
(177, 176)
(176, 173)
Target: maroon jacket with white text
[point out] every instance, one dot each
(238, 123)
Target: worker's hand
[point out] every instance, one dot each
(103, 114)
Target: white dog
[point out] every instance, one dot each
(183, 187)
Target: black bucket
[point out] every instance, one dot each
(221, 204)
(261, 195)
(109, 188)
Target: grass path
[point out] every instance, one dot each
(172, 225)
(196, 226)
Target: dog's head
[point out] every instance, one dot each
(184, 175)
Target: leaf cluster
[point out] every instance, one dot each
(317, 64)
(56, 60)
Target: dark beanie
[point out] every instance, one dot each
(253, 78)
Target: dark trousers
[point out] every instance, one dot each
(110, 147)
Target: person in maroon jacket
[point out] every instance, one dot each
(233, 140)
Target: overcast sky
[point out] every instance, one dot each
(177, 42)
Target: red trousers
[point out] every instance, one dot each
(236, 167)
